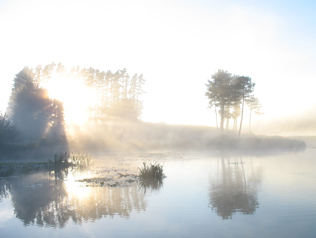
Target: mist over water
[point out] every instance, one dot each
(155, 118)
(140, 179)
(219, 195)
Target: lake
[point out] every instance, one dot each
(203, 195)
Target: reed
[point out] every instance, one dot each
(81, 161)
(151, 170)
(65, 160)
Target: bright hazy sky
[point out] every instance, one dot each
(177, 45)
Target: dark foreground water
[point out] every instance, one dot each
(202, 196)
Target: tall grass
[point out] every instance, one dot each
(59, 162)
(151, 170)
(81, 161)
(64, 161)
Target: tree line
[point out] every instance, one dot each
(117, 94)
(36, 115)
(228, 94)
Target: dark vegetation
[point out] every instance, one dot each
(151, 170)
(151, 176)
(65, 160)
(35, 114)
(34, 124)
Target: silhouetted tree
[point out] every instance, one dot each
(47, 72)
(133, 87)
(38, 75)
(245, 88)
(235, 114)
(222, 93)
(229, 93)
(31, 108)
(117, 94)
(61, 69)
(56, 129)
(254, 106)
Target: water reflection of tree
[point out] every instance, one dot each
(234, 189)
(151, 186)
(37, 199)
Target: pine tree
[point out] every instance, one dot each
(31, 108)
(254, 106)
(219, 92)
(245, 88)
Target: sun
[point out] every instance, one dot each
(76, 97)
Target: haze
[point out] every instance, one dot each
(176, 45)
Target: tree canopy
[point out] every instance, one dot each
(229, 93)
(34, 113)
(117, 95)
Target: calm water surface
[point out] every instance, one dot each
(202, 196)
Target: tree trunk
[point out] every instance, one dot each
(216, 118)
(222, 119)
(250, 122)
(242, 114)
(227, 124)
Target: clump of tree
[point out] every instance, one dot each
(36, 115)
(117, 94)
(33, 112)
(228, 94)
